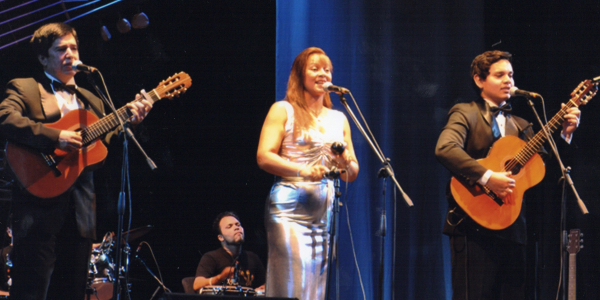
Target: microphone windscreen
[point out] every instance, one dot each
(337, 148)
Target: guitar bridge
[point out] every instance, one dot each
(52, 164)
(493, 196)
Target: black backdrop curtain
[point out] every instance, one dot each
(406, 63)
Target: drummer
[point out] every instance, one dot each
(230, 265)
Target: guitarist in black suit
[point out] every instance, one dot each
(52, 237)
(486, 264)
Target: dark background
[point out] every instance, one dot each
(204, 142)
(408, 61)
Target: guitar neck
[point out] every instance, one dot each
(535, 144)
(572, 289)
(109, 122)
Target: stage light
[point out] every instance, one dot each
(105, 34)
(123, 25)
(140, 20)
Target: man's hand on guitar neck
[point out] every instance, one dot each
(571, 122)
(501, 183)
(140, 107)
(69, 140)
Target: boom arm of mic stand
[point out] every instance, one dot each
(110, 104)
(381, 157)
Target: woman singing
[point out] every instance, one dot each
(295, 145)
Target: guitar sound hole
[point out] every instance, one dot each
(516, 166)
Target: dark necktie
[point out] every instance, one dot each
(506, 108)
(59, 86)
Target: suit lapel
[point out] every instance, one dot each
(511, 127)
(484, 109)
(490, 119)
(49, 103)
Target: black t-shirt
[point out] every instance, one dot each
(251, 271)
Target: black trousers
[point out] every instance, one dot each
(487, 268)
(50, 257)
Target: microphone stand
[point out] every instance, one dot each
(125, 182)
(333, 236)
(385, 172)
(566, 179)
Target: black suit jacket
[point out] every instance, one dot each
(467, 137)
(27, 104)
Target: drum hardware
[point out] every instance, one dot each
(228, 290)
(103, 272)
(136, 232)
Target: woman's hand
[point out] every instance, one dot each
(313, 173)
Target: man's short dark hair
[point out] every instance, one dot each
(44, 37)
(217, 222)
(481, 64)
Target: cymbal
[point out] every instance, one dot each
(137, 232)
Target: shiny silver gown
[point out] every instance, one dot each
(298, 213)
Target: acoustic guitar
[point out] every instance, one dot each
(49, 175)
(510, 153)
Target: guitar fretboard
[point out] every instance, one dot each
(572, 289)
(585, 91)
(535, 144)
(111, 121)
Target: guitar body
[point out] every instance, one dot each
(33, 172)
(480, 206)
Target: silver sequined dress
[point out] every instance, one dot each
(298, 213)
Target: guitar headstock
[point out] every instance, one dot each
(575, 241)
(173, 86)
(584, 92)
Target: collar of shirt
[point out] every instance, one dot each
(492, 104)
(66, 101)
(500, 118)
(70, 82)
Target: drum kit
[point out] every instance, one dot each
(102, 273)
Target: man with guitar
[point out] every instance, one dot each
(488, 262)
(53, 236)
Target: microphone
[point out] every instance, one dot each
(516, 92)
(79, 66)
(337, 148)
(235, 272)
(329, 87)
(333, 173)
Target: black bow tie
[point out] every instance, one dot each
(59, 86)
(506, 108)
